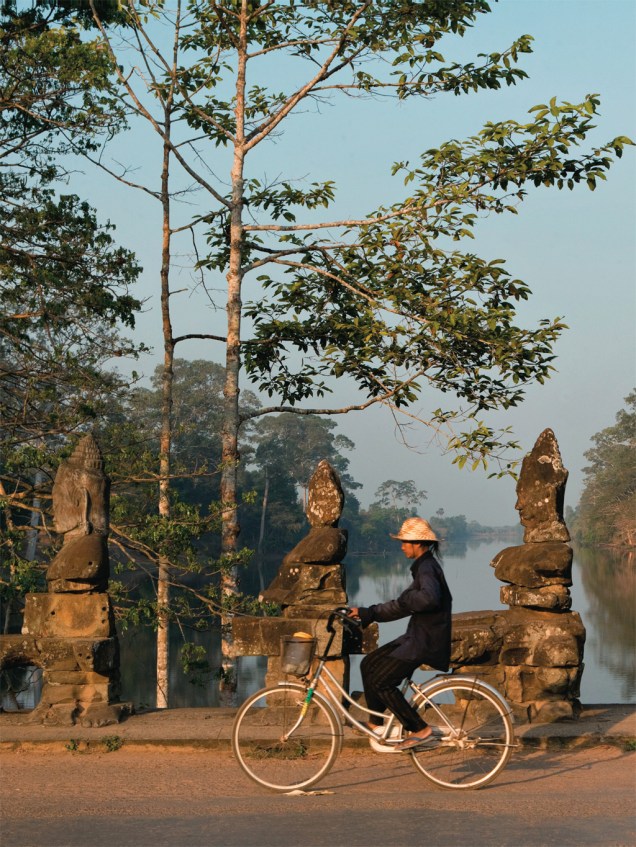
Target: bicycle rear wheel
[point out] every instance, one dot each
(474, 734)
(279, 747)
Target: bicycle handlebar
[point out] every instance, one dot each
(342, 614)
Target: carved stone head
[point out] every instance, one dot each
(81, 491)
(541, 491)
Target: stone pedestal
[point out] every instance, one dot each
(532, 652)
(263, 637)
(72, 638)
(70, 632)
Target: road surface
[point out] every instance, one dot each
(154, 798)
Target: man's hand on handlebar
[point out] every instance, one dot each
(347, 616)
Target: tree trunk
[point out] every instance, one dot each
(231, 419)
(163, 582)
(261, 534)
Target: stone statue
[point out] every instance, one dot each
(311, 576)
(541, 492)
(70, 631)
(543, 641)
(80, 509)
(309, 584)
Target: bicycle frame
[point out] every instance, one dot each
(294, 744)
(334, 693)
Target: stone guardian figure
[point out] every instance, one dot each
(80, 507)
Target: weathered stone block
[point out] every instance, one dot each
(492, 674)
(541, 491)
(476, 638)
(99, 655)
(323, 545)
(56, 653)
(559, 650)
(84, 559)
(547, 639)
(555, 597)
(528, 684)
(303, 584)
(59, 714)
(326, 497)
(262, 636)
(57, 676)
(535, 565)
(552, 711)
(558, 680)
(68, 615)
(60, 654)
(18, 650)
(103, 714)
(95, 693)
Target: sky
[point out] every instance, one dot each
(576, 250)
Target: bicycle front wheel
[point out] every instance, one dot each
(284, 743)
(473, 732)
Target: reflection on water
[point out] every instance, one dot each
(139, 677)
(608, 578)
(603, 593)
(20, 687)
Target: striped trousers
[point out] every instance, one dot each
(381, 677)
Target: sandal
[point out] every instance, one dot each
(414, 741)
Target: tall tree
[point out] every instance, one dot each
(393, 494)
(385, 299)
(66, 285)
(159, 73)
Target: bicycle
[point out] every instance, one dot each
(287, 737)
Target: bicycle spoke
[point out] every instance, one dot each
(479, 743)
(282, 742)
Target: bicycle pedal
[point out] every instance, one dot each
(382, 747)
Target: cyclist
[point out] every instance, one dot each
(427, 602)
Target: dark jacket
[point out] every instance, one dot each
(428, 601)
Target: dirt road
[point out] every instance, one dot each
(153, 798)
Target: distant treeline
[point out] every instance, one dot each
(606, 513)
(370, 530)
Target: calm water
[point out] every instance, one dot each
(603, 593)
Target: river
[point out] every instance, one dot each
(603, 592)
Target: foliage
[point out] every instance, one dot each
(283, 448)
(389, 302)
(56, 92)
(66, 286)
(386, 300)
(450, 527)
(606, 513)
(112, 743)
(371, 531)
(395, 501)
(393, 493)
(392, 300)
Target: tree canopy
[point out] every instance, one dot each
(606, 513)
(67, 287)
